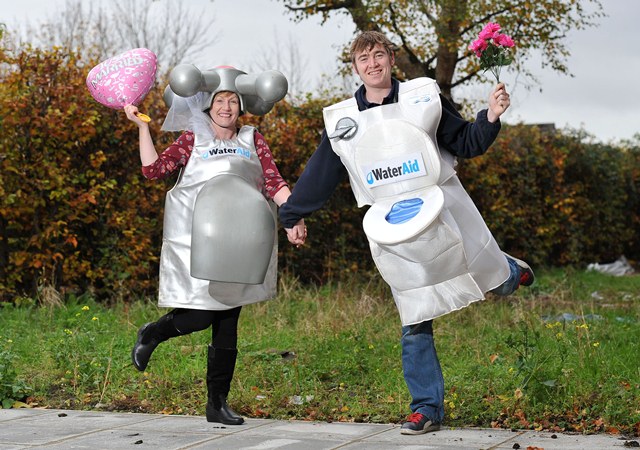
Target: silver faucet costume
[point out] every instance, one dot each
(426, 236)
(219, 246)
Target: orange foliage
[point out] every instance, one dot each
(65, 176)
(76, 212)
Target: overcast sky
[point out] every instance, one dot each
(602, 98)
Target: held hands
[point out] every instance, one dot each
(132, 114)
(298, 234)
(498, 102)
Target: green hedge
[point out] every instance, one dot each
(555, 200)
(77, 215)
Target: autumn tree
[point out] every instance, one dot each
(432, 35)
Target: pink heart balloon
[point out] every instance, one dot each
(124, 79)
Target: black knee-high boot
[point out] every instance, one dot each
(220, 366)
(149, 336)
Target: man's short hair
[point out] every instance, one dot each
(367, 40)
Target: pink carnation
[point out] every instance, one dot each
(478, 46)
(492, 27)
(490, 31)
(503, 40)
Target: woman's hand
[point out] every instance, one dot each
(132, 114)
(298, 234)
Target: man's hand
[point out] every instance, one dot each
(498, 102)
(298, 234)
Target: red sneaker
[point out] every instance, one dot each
(526, 274)
(418, 424)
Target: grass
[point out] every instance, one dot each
(332, 353)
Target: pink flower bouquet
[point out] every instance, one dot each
(492, 47)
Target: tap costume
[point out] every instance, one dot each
(219, 248)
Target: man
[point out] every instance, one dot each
(397, 142)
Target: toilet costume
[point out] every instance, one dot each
(219, 247)
(426, 236)
(428, 241)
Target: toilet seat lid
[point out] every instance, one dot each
(383, 229)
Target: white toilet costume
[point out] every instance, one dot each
(433, 249)
(219, 248)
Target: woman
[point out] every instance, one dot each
(212, 146)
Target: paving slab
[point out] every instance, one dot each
(23, 429)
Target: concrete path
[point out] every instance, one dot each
(95, 430)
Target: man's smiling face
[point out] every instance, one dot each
(374, 67)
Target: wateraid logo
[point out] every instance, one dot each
(239, 151)
(393, 170)
(406, 168)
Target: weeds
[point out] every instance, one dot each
(538, 361)
(12, 388)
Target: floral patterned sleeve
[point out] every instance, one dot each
(272, 179)
(170, 160)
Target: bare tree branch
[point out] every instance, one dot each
(286, 57)
(99, 33)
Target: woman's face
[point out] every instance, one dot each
(225, 109)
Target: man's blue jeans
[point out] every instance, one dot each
(422, 371)
(420, 364)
